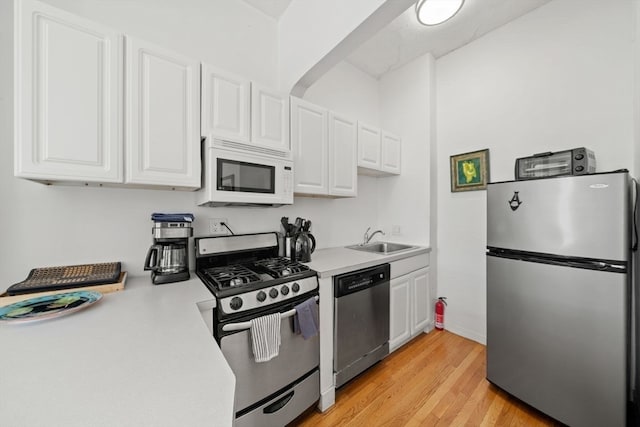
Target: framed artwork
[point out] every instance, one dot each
(470, 171)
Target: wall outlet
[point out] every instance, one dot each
(396, 230)
(216, 227)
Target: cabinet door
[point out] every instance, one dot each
(310, 151)
(369, 146)
(391, 153)
(420, 301)
(225, 105)
(343, 149)
(269, 119)
(163, 116)
(399, 314)
(68, 81)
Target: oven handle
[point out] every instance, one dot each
(246, 325)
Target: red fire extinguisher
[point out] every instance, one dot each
(440, 303)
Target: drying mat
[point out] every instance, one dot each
(66, 277)
(6, 299)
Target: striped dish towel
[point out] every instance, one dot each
(265, 337)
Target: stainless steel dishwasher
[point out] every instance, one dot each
(361, 321)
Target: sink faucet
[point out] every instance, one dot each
(368, 237)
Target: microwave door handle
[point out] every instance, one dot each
(241, 326)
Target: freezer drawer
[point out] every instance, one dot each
(580, 216)
(557, 338)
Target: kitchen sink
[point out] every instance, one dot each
(382, 247)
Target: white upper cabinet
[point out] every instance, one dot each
(309, 142)
(68, 80)
(369, 146)
(163, 116)
(226, 105)
(343, 151)
(243, 115)
(378, 151)
(75, 119)
(390, 153)
(269, 118)
(324, 151)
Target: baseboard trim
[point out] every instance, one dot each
(467, 333)
(327, 399)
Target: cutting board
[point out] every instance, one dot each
(104, 289)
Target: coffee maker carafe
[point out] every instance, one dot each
(168, 257)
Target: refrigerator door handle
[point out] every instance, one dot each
(589, 264)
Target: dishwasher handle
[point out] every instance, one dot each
(359, 280)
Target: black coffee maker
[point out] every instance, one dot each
(168, 257)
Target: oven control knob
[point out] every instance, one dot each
(236, 303)
(261, 296)
(295, 287)
(284, 290)
(273, 293)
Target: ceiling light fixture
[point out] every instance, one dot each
(434, 12)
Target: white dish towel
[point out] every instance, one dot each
(265, 337)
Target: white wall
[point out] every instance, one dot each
(406, 109)
(229, 34)
(310, 29)
(557, 78)
(63, 225)
(347, 90)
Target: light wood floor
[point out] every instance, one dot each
(438, 379)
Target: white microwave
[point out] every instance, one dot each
(236, 178)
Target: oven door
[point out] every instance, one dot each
(257, 381)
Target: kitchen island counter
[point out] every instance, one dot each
(139, 357)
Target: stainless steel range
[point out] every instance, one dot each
(249, 280)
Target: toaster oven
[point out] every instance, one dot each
(578, 161)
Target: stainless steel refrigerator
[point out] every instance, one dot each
(559, 295)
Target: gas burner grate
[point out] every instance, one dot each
(281, 267)
(231, 276)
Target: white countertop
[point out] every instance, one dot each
(139, 357)
(333, 261)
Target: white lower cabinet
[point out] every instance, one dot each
(399, 314)
(409, 310)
